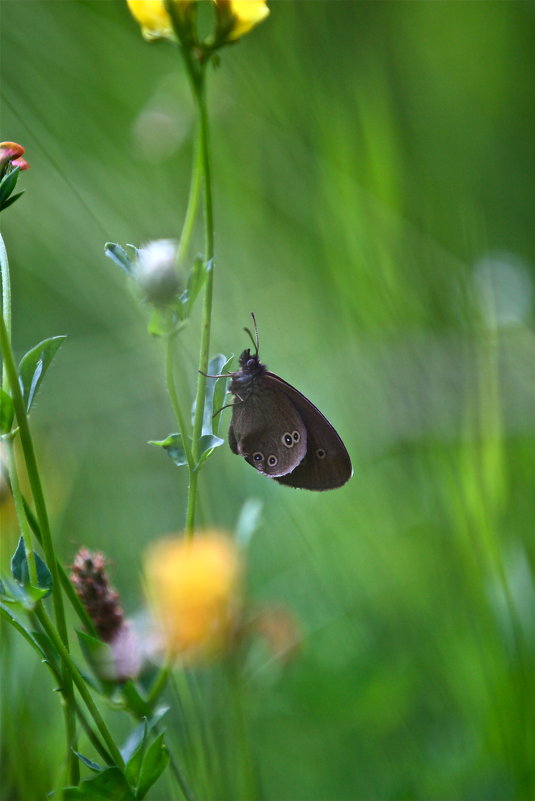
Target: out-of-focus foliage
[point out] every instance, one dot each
(373, 165)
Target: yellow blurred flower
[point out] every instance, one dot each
(236, 17)
(244, 15)
(154, 20)
(193, 588)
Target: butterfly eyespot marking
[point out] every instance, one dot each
(272, 460)
(258, 456)
(287, 439)
(296, 436)
(320, 453)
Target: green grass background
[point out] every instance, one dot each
(374, 196)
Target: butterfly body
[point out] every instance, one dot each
(278, 431)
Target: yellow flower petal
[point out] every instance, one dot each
(153, 18)
(193, 589)
(246, 14)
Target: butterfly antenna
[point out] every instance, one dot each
(254, 339)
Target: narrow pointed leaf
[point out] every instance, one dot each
(139, 732)
(32, 637)
(135, 702)
(133, 765)
(173, 445)
(94, 766)
(220, 391)
(20, 572)
(207, 443)
(8, 183)
(17, 560)
(214, 393)
(119, 256)
(4, 204)
(34, 365)
(155, 761)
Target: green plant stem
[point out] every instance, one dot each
(68, 588)
(48, 660)
(33, 475)
(175, 402)
(196, 73)
(19, 509)
(6, 301)
(193, 204)
(206, 321)
(81, 686)
(12, 380)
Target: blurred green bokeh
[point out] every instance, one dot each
(374, 177)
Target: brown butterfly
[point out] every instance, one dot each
(280, 432)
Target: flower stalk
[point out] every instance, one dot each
(12, 381)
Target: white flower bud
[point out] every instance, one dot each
(156, 271)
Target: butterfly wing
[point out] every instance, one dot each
(326, 464)
(267, 429)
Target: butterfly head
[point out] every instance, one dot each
(250, 364)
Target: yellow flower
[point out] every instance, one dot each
(245, 14)
(236, 17)
(154, 20)
(193, 588)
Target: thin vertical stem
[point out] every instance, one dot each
(6, 302)
(19, 509)
(81, 686)
(175, 402)
(206, 322)
(42, 516)
(193, 204)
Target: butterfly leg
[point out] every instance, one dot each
(229, 405)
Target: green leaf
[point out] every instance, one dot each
(216, 366)
(109, 785)
(207, 444)
(119, 256)
(138, 733)
(21, 598)
(20, 572)
(155, 761)
(220, 391)
(134, 701)
(47, 647)
(34, 365)
(34, 638)
(8, 183)
(173, 446)
(4, 204)
(213, 398)
(7, 412)
(17, 560)
(133, 765)
(94, 766)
